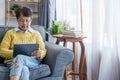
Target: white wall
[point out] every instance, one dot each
(2, 12)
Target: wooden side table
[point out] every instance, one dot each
(82, 65)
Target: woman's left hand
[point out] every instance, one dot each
(36, 53)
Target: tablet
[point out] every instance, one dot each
(24, 49)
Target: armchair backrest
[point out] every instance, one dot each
(4, 29)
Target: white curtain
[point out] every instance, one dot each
(101, 24)
(102, 27)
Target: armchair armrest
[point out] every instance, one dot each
(57, 58)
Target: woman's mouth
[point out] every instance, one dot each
(23, 27)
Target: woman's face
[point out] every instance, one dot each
(24, 22)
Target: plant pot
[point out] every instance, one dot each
(52, 39)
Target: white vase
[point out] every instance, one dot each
(52, 39)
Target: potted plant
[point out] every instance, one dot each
(65, 26)
(55, 28)
(13, 8)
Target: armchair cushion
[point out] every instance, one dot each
(35, 73)
(4, 72)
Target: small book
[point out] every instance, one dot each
(24, 49)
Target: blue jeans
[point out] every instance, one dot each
(21, 64)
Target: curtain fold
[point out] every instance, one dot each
(103, 40)
(47, 12)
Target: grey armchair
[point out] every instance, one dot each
(54, 63)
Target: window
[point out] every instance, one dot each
(69, 11)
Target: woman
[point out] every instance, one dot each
(23, 34)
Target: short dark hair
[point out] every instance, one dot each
(25, 11)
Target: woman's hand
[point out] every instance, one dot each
(36, 53)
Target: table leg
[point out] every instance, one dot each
(57, 41)
(65, 43)
(82, 65)
(65, 75)
(74, 61)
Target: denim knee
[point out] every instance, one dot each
(15, 69)
(25, 73)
